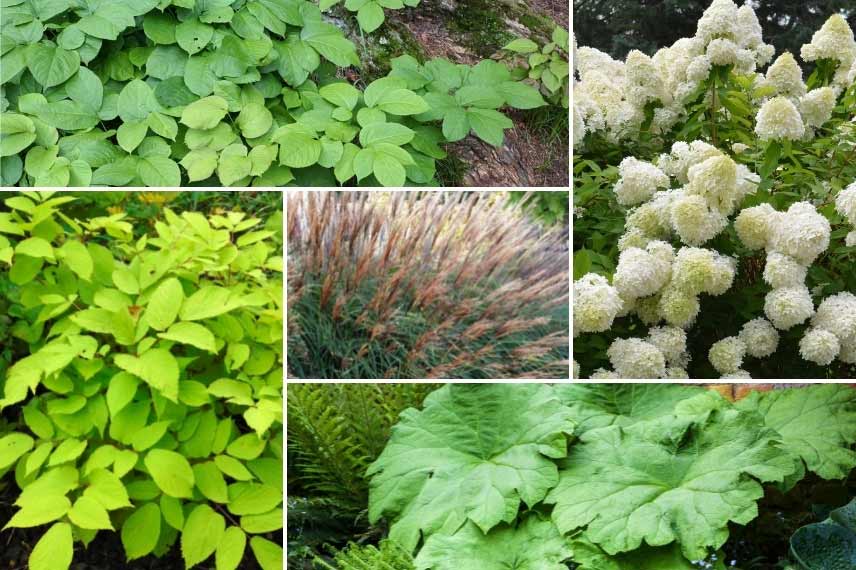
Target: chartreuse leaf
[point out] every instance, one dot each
(254, 499)
(157, 367)
(210, 482)
(164, 304)
(171, 473)
(106, 488)
(267, 553)
(209, 301)
(90, 514)
(255, 120)
(54, 550)
(141, 531)
(265, 522)
(706, 473)
(230, 551)
(192, 334)
(201, 535)
(817, 423)
(591, 557)
(534, 544)
(35, 247)
(12, 447)
(77, 257)
(477, 475)
(205, 113)
(40, 509)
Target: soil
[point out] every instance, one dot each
(467, 31)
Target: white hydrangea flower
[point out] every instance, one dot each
(648, 310)
(682, 156)
(719, 20)
(727, 354)
(738, 148)
(848, 351)
(699, 69)
(837, 314)
(834, 40)
(816, 106)
(576, 370)
(783, 271)
(714, 179)
(604, 374)
(819, 346)
(778, 119)
(647, 218)
(579, 126)
(672, 342)
(721, 51)
(694, 222)
(801, 233)
(785, 76)
(637, 182)
(633, 237)
(677, 307)
(747, 183)
(760, 337)
(845, 203)
(697, 270)
(639, 273)
(633, 358)
(737, 375)
(643, 79)
(850, 239)
(596, 304)
(788, 306)
(675, 373)
(754, 225)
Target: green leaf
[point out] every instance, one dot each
(521, 45)
(12, 447)
(205, 113)
(209, 301)
(232, 467)
(255, 499)
(149, 435)
(89, 514)
(86, 90)
(120, 391)
(329, 42)
(201, 535)
(141, 531)
(130, 135)
(192, 35)
(520, 95)
(51, 65)
(40, 509)
(75, 255)
(707, 473)
(108, 21)
(35, 247)
(370, 17)
(233, 165)
(299, 150)
(210, 482)
(817, 423)
(164, 304)
(388, 170)
(159, 171)
(489, 124)
(391, 133)
(230, 551)
(54, 550)
(17, 132)
(192, 334)
(265, 522)
(106, 488)
(136, 101)
(479, 475)
(171, 473)
(482, 96)
(341, 94)
(157, 367)
(199, 164)
(255, 120)
(401, 102)
(268, 554)
(532, 545)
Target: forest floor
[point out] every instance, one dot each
(536, 151)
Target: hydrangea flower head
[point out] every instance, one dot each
(778, 119)
(760, 337)
(783, 271)
(819, 346)
(754, 225)
(638, 181)
(834, 40)
(634, 358)
(596, 304)
(816, 106)
(788, 306)
(845, 203)
(727, 354)
(801, 232)
(785, 76)
(639, 273)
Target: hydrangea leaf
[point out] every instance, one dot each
(437, 472)
(533, 545)
(685, 484)
(817, 423)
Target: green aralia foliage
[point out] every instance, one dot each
(610, 477)
(147, 376)
(225, 92)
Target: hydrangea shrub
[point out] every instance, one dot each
(723, 185)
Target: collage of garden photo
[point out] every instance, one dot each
(427, 285)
